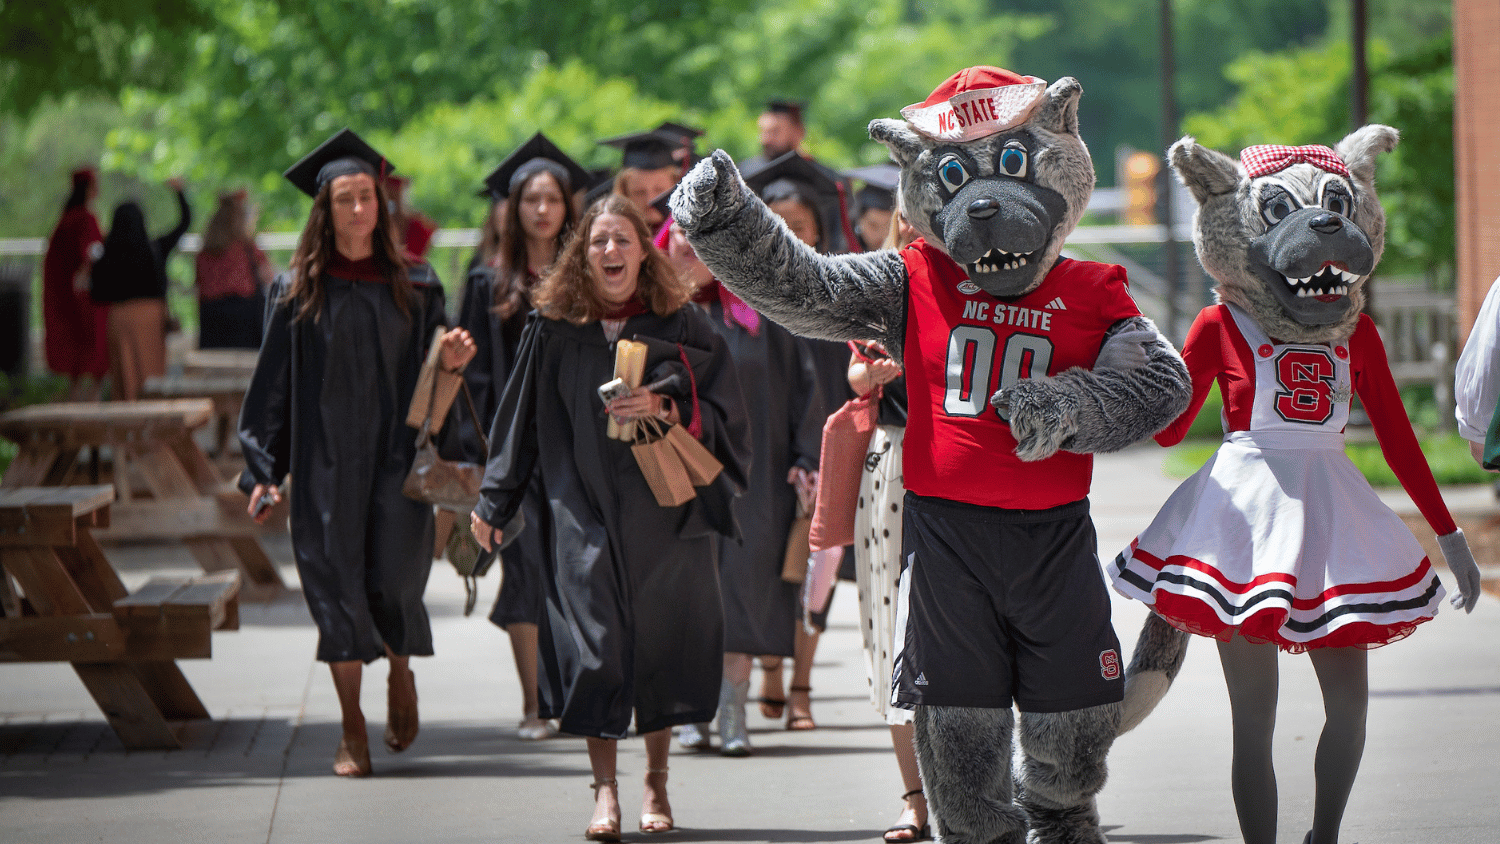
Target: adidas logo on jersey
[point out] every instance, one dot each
(1056, 305)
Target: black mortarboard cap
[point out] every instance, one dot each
(880, 186)
(791, 108)
(537, 153)
(603, 183)
(343, 154)
(660, 203)
(792, 173)
(651, 150)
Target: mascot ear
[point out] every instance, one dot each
(904, 144)
(1207, 173)
(1058, 113)
(1359, 148)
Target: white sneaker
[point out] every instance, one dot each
(693, 736)
(536, 729)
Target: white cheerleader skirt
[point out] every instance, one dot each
(1280, 539)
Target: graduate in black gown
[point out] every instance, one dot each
(634, 625)
(761, 610)
(808, 199)
(347, 330)
(534, 189)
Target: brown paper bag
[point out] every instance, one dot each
(630, 367)
(794, 564)
(701, 465)
(448, 384)
(660, 465)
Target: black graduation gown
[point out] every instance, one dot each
(328, 403)
(786, 427)
(520, 598)
(633, 614)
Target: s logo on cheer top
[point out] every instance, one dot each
(971, 366)
(1306, 378)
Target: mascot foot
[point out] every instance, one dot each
(1074, 825)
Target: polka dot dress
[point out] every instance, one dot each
(877, 558)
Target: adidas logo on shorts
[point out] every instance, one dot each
(921, 679)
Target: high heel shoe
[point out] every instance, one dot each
(652, 822)
(607, 829)
(734, 733)
(693, 736)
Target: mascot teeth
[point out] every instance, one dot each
(998, 259)
(1329, 281)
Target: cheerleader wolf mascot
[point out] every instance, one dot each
(1020, 364)
(1278, 543)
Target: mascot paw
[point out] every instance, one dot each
(1041, 418)
(709, 195)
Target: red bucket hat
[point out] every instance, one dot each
(975, 102)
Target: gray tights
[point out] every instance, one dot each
(1251, 675)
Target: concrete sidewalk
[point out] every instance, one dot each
(260, 771)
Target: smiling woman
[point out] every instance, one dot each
(634, 625)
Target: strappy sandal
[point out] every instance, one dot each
(655, 822)
(401, 723)
(352, 761)
(922, 833)
(801, 722)
(770, 707)
(609, 828)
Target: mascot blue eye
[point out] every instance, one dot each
(1013, 162)
(1338, 203)
(1277, 208)
(953, 174)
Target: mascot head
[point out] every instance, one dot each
(993, 172)
(1291, 234)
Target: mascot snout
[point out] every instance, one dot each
(1311, 261)
(998, 229)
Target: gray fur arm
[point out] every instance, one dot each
(1138, 385)
(843, 297)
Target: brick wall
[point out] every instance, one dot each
(1476, 141)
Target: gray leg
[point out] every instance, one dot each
(1251, 676)
(1344, 677)
(965, 756)
(1063, 770)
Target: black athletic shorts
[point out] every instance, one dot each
(1002, 606)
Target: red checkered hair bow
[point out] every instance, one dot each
(1266, 159)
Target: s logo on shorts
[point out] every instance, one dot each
(1109, 664)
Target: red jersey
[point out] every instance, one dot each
(962, 345)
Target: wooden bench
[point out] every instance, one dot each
(61, 601)
(165, 487)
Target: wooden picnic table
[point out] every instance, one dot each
(61, 601)
(227, 392)
(214, 363)
(165, 487)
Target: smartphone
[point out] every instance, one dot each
(616, 389)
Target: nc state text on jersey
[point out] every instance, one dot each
(1008, 315)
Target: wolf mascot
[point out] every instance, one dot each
(1020, 365)
(1278, 542)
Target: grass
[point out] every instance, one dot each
(1447, 454)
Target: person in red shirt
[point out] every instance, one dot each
(231, 274)
(74, 324)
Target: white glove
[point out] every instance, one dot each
(1461, 562)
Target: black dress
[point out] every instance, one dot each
(786, 428)
(633, 621)
(521, 595)
(327, 403)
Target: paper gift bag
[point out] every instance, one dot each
(794, 563)
(701, 465)
(660, 465)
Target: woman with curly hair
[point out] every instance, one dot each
(633, 622)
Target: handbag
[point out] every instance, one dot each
(660, 465)
(846, 444)
(433, 479)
